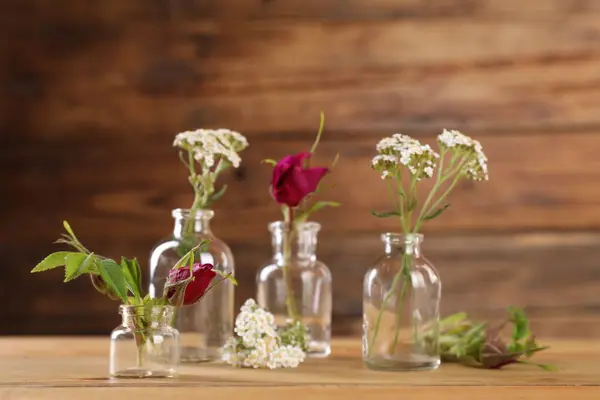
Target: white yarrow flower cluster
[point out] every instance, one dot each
(210, 144)
(257, 344)
(401, 151)
(476, 166)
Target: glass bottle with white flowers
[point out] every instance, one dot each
(295, 286)
(402, 291)
(204, 327)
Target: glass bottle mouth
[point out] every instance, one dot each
(148, 310)
(309, 226)
(184, 213)
(401, 238)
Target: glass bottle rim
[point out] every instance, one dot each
(140, 309)
(185, 213)
(308, 226)
(401, 238)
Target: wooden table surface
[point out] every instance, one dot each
(76, 368)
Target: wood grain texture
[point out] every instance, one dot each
(94, 91)
(70, 366)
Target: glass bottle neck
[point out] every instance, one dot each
(397, 243)
(187, 224)
(297, 243)
(142, 317)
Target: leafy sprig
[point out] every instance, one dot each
(118, 280)
(477, 345)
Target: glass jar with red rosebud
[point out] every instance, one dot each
(296, 287)
(206, 325)
(146, 344)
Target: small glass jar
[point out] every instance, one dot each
(205, 326)
(145, 345)
(401, 301)
(295, 266)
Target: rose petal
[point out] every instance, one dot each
(313, 176)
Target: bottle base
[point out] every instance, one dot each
(140, 373)
(318, 350)
(389, 364)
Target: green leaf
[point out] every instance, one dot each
(217, 195)
(54, 260)
(313, 149)
(269, 161)
(228, 276)
(183, 261)
(386, 214)
(78, 264)
(316, 207)
(436, 212)
(69, 230)
(113, 276)
(520, 322)
(133, 276)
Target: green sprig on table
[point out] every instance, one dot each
(478, 345)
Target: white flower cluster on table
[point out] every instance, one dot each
(401, 151)
(210, 144)
(258, 344)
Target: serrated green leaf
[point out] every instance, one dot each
(385, 214)
(269, 161)
(316, 207)
(54, 260)
(436, 213)
(78, 264)
(132, 275)
(113, 276)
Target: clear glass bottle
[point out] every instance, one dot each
(295, 266)
(145, 345)
(205, 326)
(401, 301)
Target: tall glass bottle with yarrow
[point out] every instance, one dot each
(295, 285)
(402, 291)
(204, 328)
(145, 344)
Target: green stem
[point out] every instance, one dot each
(386, 299)
(404, 271)
(290, 300)
(140, 354)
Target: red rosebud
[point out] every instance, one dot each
(292, 182)
(194, 290)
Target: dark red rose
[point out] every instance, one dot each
(292, 182)
(194, 290)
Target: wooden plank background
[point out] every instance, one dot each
(93, 92)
